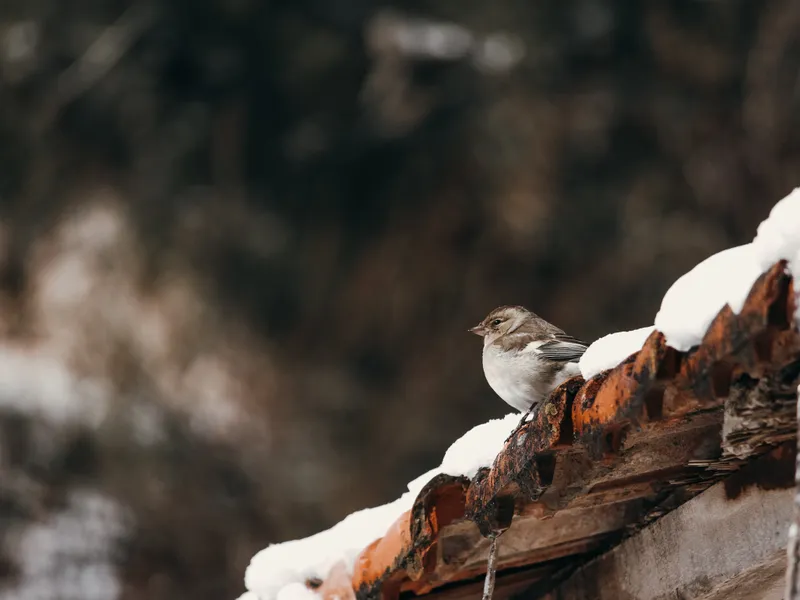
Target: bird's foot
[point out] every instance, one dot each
(522, 421)
(524, 418)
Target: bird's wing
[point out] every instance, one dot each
(561, 347)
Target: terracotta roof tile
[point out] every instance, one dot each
(603, 456)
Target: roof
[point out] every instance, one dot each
(602, 458)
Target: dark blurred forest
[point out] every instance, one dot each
(241, 242)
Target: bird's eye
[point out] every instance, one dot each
(496, 322)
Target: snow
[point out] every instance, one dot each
(690, 305)
(295, 591)
(70, 553)
(779, 236)
(612, 349)
(37, 382)
(280, 565)
(694, 299)
(478, 447)
(276, 572)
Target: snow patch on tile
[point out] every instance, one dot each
(778, 237)
(295, 591)
(612, 349)
(280, 568)
(478, 447)
(694, 300)
(291, 563)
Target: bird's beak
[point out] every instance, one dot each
(477, 330)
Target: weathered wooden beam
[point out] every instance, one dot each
(727, 540)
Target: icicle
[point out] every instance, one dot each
(491, 568)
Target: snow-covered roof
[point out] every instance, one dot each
(737, 289)
(281, 565)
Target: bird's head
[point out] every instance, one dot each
(501, 321)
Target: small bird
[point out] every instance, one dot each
(525, 357)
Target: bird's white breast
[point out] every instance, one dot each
(521, 378)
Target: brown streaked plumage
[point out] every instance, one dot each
(524, 356)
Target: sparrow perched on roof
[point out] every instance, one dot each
(525, 357)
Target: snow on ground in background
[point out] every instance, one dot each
(612, 349)
(87, 306)
(694, 300)
(71, 553)
(34, 382)
(279, 566)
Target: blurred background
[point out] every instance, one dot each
(241, 243)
